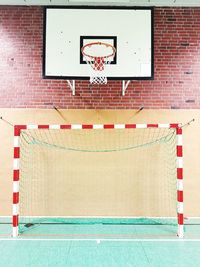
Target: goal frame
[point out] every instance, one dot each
(16, 161)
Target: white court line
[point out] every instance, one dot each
(103, 240)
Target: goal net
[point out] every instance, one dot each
(103, 175)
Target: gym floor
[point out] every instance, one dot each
(101, 245)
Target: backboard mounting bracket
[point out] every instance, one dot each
(125, 86)
(72, 86)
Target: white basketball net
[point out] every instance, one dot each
(98, 65)
(97, 70)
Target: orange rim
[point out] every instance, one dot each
(98, 43)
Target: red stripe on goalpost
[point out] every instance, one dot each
(178, 130)
(87, 126)
(15, 197)
(179, 173)
(43, 126)
(16, 152)
(15, 220)
(179, 151)
(174, 125)
(180, 196)
(67, 126)
(130, 126)
(152, 125)
(108, 126)
(180, 219)
(18, 128)
(15, 175)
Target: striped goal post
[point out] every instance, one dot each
(179, 158)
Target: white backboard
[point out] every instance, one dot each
(128, 29)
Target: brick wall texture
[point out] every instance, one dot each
(176, 56)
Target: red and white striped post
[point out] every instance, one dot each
(16, 162)
(16, 175)
(16, 181)
(179, 155)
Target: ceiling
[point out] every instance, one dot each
(185, 3)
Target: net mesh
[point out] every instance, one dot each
(97, 69)
(97, 173)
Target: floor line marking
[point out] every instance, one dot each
(101, 240)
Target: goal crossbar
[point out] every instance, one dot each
(179, 161)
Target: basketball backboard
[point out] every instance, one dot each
(68, 29)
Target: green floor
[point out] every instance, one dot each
(85, 253)
(101, 245)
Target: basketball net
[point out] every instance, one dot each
(98, 63)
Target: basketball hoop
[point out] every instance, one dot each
(98, 55)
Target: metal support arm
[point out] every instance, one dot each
(125, 86)
(72, 86)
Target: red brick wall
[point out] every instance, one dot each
(177, 66)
